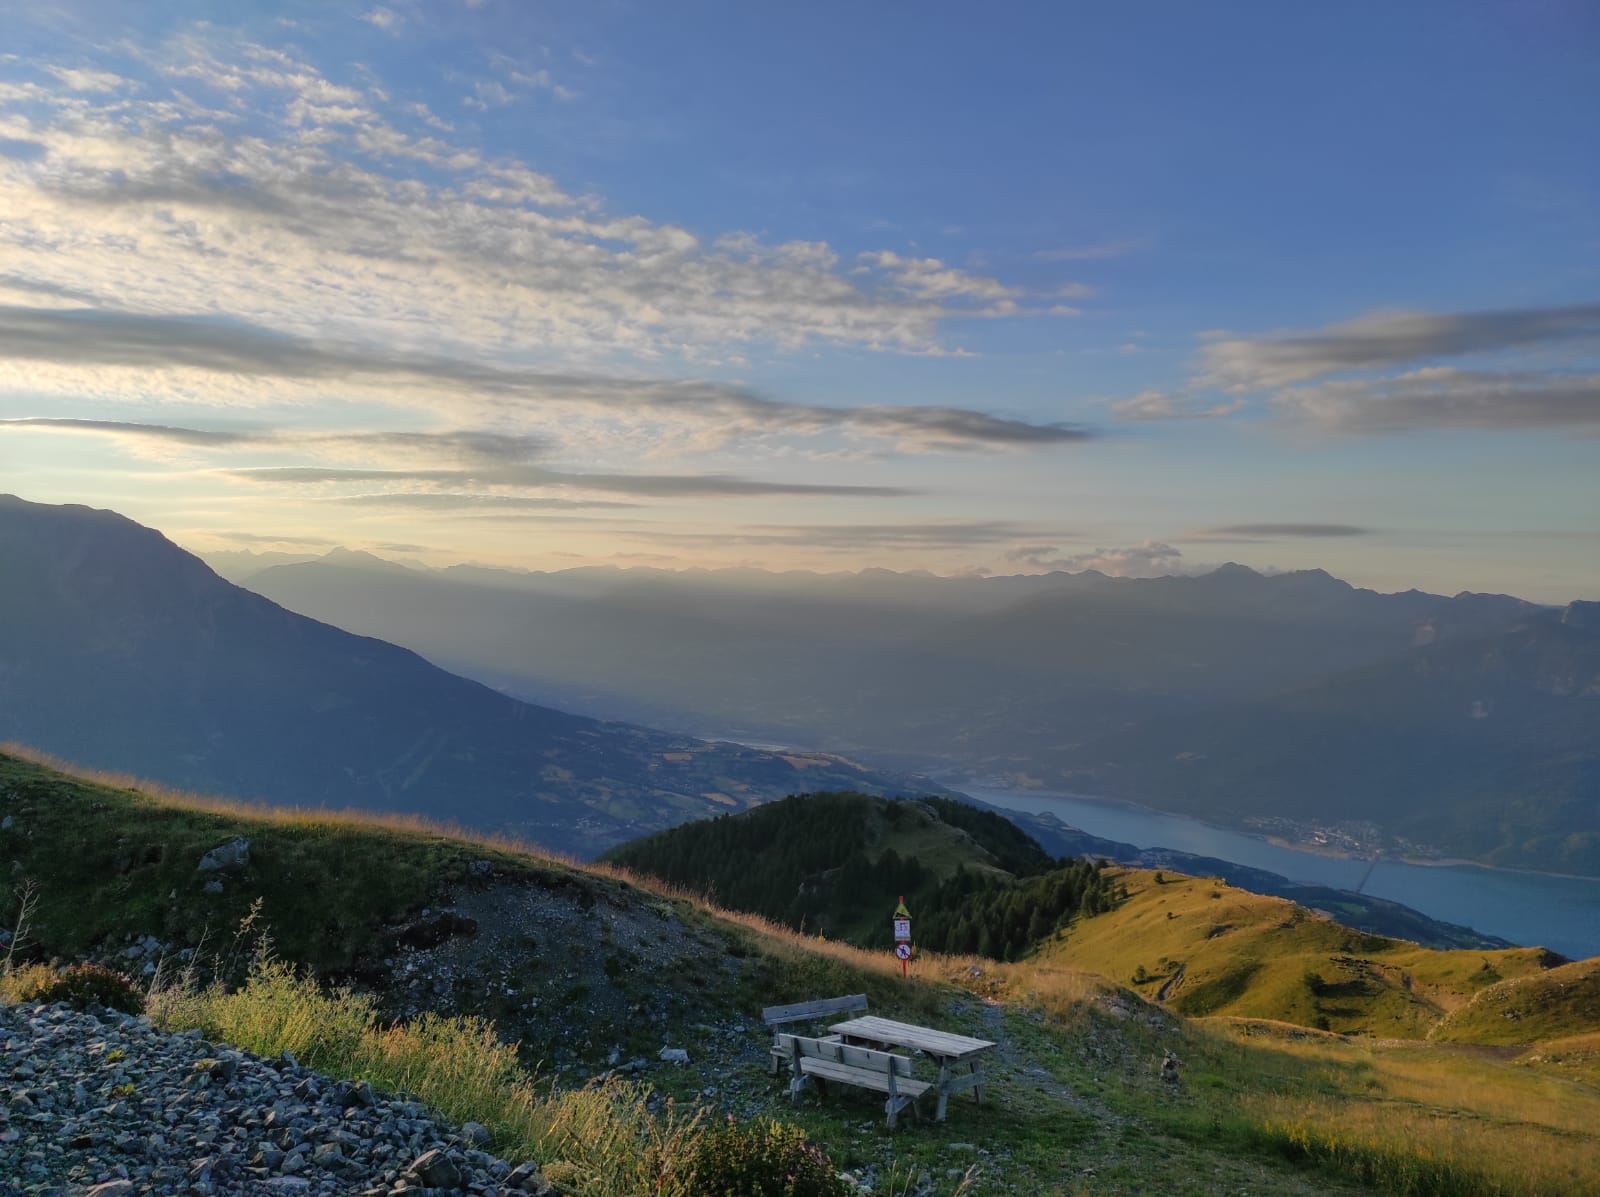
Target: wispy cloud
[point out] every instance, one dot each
(341, 211)
(653, 485)
(1158, 405)
(1443, 398)
(446, 461)
(1247, 532)
(934, 535)
(1390, 339)
(74, 338)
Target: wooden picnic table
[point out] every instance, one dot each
(949, 1051)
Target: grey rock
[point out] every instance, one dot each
(674, 1055)
(475, 1134)
(229, 857)
(111, 1188)
(435, 1170)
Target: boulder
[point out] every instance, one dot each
(226, 858)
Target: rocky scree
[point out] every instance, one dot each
(107, 1105)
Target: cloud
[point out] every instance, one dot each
(917, 535)
(339, 212)
(475, 459)
(87, 80)
(1444, 398)
(1389, 339)
(1148, 559)
(1157, 405)
(1238, 532)
(259, 538)
(651, 485)
(76, 338)
(164, 432)
(452, 501)
(386, 19)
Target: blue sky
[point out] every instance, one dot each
(1140, 287)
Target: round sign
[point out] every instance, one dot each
(903, 950)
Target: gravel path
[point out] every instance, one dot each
(109, 1106)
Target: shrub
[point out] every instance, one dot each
(761, 1159)
(80, 986)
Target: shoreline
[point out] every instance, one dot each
(1275, 841)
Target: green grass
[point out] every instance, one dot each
(1252, 956)
(1556, 1004)
(114, 857)
(1076, 1104)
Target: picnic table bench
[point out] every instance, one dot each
(812, 1061)
(808, 1012)
(950, 1051)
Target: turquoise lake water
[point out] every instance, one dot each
(1561, 913)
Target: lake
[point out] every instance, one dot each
(1561, 913)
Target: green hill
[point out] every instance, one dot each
(1558, 1004)
(836, 865)
(1201, 947)
(582, 966)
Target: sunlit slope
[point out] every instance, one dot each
(1201, 948)
(1555, 1004)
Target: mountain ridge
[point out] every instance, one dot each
(123, 652)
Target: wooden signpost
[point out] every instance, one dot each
(902, 934)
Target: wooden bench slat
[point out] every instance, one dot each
(832, 1059)
(814, 1010)
(864, 1078)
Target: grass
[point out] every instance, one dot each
(1247, 955)
(1551, 1005)
(1265, 1106)
(599, 1141)
(332, 880)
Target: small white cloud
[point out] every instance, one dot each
(1158, 405)
(87, 80)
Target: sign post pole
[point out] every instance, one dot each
(902, 934)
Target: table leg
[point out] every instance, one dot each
(944, 1089)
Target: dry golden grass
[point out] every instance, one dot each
(1415, 1118)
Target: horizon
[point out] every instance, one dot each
(710, 288)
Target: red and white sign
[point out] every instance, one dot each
(903, 950)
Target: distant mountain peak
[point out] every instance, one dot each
(361, 559)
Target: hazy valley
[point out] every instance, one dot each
(1465, 726)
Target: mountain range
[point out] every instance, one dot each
(122, 652)
(1465, 725)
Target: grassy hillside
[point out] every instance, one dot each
(575, 961)
(1201, 947)
(1550, 1005)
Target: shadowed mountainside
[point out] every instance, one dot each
(123, 652)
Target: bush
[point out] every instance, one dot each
(763, 1159)
(80, 986)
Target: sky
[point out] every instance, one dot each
(1142, 287)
